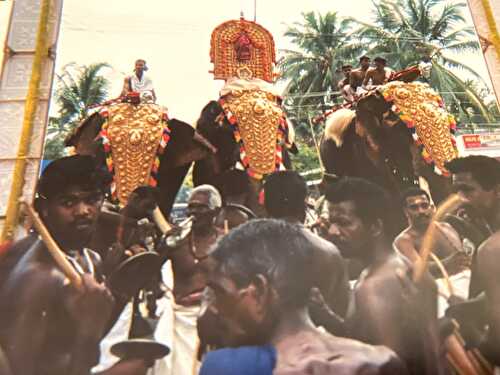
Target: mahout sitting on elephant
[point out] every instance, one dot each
(141, 146)
(397, 133)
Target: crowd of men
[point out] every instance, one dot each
(363, 78)
(244, 295)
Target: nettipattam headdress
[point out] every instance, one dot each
(243, 49)
(422, 110)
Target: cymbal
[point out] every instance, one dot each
(140, 348)
(134, 273)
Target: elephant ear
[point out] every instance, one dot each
(182, 148)
(83, 137)
(181, 151)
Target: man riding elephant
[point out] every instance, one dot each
(247, 124)
(398, 132)
(140, 145)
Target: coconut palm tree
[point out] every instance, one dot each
(78, 88)
(313, 69)
(76, 93)
(406, 32)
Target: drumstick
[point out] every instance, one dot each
(52, 246)
(160, 221)
(226, 227)
(449, 205)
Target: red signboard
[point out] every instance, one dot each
(488, 140)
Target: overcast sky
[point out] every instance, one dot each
(174, 38)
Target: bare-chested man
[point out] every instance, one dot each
(285, 195)
(188, 259)
(447, 246)
(48, 327)
(258, 289)
(359, 213)
(477, 180)
(343, 85)
(378, 75)
(357, 76)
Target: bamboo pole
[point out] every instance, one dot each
(12, 215)
(53, 248)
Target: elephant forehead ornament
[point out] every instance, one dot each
(423, 112)
(244, 49)
(243, 54)
(133, 138)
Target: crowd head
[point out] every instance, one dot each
(70, 193)
(417, 207)
(204, 204)
(358, 213)
(258, 276)
(476, 178)
(285, 195)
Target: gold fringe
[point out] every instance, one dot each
(12, 215)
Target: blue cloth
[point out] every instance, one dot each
(245, 360)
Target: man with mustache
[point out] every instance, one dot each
(477, 180)
(47, 326)
(188, 255)
(447, 245)
(382, 312)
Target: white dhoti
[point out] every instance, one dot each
(460, 284)
(118, 333)
(177, 329)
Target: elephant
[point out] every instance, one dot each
(237, 186)
(184, 147)
(385, 147)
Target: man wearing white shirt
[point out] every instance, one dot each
(139, 81)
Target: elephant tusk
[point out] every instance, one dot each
(160, 221)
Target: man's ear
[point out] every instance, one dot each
(41, 206)
(406, 213)
(377, 228)
(261, 292)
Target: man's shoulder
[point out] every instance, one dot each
(446, 227)
(488, 252)
(326, 250)
(404, 238)
(385, 279)
(33, 267)
(373, 359)
(346, 356)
